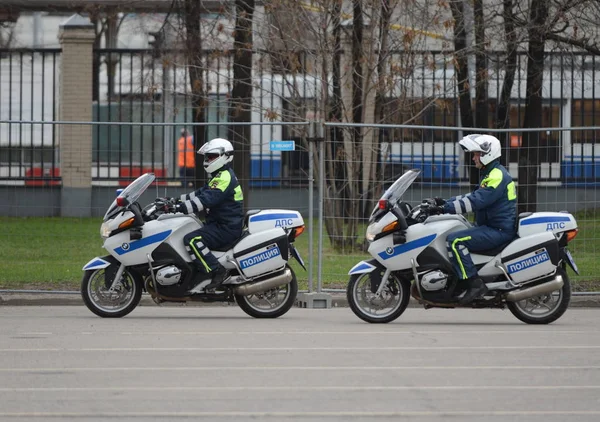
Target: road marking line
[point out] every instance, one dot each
(304, 388)
(511, 332)
(303, 368)
(367, 414)
(282, 349)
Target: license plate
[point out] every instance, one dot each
(571, 261)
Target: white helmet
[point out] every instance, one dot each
(487, 145)
(217, 153)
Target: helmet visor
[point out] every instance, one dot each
(211, 156)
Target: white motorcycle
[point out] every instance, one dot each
(527, 275)
(147, 252)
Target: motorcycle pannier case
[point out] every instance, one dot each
(262, 252)
(531, 257)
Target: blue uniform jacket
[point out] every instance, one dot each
(494, 201)
(221, 198)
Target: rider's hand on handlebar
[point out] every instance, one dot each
(165, 205)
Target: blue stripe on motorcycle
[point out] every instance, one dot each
(408, 246)
(363, 266)
(94, 263)
(129, 247)
(541, 220)
(267, 217)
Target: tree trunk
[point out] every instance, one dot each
(334, 148)
(355, 167)
(503, 108)
(241, 93)
(481, 68)
(461, 64)
(529, 156)
(195, 66)
(380, 95)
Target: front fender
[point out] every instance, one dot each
(364, 267)
(97, 263)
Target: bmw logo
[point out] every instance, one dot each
(125, 246)
(389, 250)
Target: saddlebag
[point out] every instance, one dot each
(262, 252)
(531, 257)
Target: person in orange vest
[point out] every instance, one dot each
(186, 158)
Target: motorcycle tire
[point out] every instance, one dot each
(519, 309)
(353, 293)
(247, 305)
(93, 293)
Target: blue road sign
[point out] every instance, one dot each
(282, 145)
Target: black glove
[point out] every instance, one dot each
(436, 210)
(165, 205)
(439, 201)
(179, 207)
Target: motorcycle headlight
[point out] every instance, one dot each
(105, 230)
(371, 233)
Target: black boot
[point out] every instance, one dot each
(219, 276)
(477, 288)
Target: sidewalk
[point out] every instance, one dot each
(74, 299)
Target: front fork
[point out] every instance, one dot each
(383, 282)
(116, 283)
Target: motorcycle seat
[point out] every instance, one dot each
(229, 246)
(493, 251)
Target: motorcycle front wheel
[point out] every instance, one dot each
(271, 303)
(118, 302)
(367, 306)
(545, 308)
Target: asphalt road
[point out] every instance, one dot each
(216, 363)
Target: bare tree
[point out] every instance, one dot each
(241, 93)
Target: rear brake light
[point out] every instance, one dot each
(571, 234)
(382, 204)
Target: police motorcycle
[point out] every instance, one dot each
(408, 245)
(147, 252)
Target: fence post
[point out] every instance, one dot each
(316, 299)
(76, 36)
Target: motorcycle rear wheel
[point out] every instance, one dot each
(118, 303)
(271, 303)
(370, 308)
(546, 308)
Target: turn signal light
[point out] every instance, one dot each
(127, 223)
(571, 234)
(298, 231)
(390, 227)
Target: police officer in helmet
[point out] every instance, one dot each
(222, 201)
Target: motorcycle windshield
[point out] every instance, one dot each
(398, 188)
(132, 193)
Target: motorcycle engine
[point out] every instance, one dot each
(434, 280)
(168, 276)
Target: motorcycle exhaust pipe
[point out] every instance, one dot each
(260, 286)
(538, 290)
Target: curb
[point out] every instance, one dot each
(74, 299)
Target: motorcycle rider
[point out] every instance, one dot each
(494, 204)
(222, 200)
